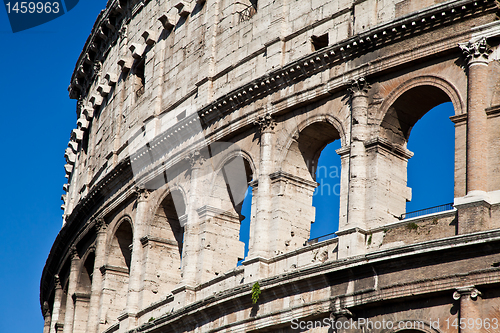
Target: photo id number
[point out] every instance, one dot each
(32, 7)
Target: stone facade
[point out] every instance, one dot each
(183, 104)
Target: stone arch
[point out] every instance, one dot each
(295, 181)
(81, 297)
(403, 108)
(163, 245)
(413, 326)
(119, 248)
(220, 215)
(295, 135)
(231, 166)
(116, 271)
(399, 114)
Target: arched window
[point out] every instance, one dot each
(431, 169)
(230, 200)
(297, 186)
(163, 246)
(116, 271)
(433, 141)
(326, 197)
(81, 298)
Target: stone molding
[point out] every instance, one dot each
(114, 269)
(146, 239)
(386, 145)
(287, 177)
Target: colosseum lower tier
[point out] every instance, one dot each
(184, 106)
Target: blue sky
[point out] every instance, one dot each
(38, 117)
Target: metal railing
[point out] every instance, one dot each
(321, 238)
(431, 210)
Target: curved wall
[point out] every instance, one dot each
(183, 104)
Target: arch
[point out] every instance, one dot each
(296, 180)
(119, 251)
(399, 114)
(321, 118)
(222, 189)
(309, 139)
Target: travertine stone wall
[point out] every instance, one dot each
(184, 104)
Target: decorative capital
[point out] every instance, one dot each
(74, 253)
(359, 86)
(266, 123)
(142, 193)
(477, 51)
(100, 225)
(466, 291)
(46, 309)
(57, 282)
(195, 159)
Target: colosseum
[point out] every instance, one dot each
(184, 106)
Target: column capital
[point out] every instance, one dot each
(476, 52)
(46, 309)
(142, 193)
(57, 282)
(100, 225)
(359, 87)
(195, 159)
(266, 123)
(470, 291)
(74, 253)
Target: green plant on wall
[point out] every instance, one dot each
(412, 226)
(255, 292)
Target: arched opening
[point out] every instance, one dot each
(423, 111)
(326, 197)
(299, 188)
(246, 212)
(230, 203)
(116, 271)
(163, 246)
(431, 169)
(81, 298)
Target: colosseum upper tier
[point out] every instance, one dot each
(185, 105)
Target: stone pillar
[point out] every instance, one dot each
(82, 301)
(467, 297)
(73, 279)
(135, 283)
(46, 317)
(474, 209)
(95, 295)
(259, 245)
(56, 307)
(191, 242)
(476, 54)
(352, 235)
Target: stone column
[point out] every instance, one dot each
(476, 54)
(46, 317)
(73, 279)
(352, 235)
(191, 243)
(473, 209)
(259, 245)
(56, 307)
(134, 286)
(467, 297)
(95, 295)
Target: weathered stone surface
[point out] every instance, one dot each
(183, 104)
